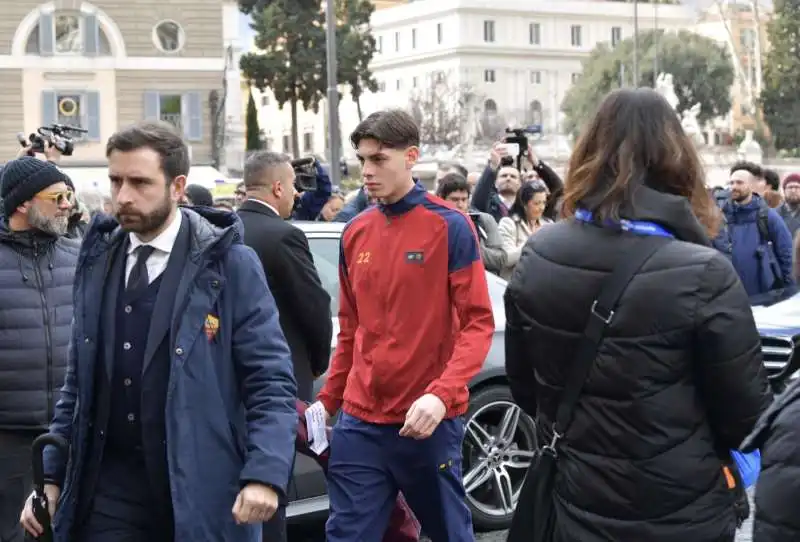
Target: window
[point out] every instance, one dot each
(264, 101)
(287, 144)
(168, 37)
(439, 34)
(488, 31)
(76, 33)
(398, 84)
(414, 82)
(575, 77)
(308, 142)
(74, 108)
(616, 35)
(379, 47)
(577, 39)
(535, 34)
(68, 33)
(382, 86)
(326, 259)
(397, 41)
(489, 76)
(413, 38)
(183, 110)
(269, 144)
(536, 77)
(747, 39)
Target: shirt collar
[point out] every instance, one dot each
(413, 197)
(268, 206)
(164, 241)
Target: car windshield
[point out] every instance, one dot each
(326, 258)
(773, 297)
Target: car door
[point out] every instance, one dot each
(309, 480)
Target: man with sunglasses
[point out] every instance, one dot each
(37, 266)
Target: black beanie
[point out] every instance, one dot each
(23, 178)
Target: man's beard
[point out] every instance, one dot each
(135, 222)
(56, 225)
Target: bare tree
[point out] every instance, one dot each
(444, 108)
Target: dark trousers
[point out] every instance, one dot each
(275, 529)
(370, 463)
(15, 483)
(114, 520)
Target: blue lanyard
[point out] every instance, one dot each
(638, 227)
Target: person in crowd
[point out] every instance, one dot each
(401, 427)
(454, 188)
(755, 237)
(472, 180)
(37, 265)
(332, 207)
(789, 210)
(309, 204)
(78, 219)
(240, 195)
(772, 180)
(355, 203)
(94, 200)
(178, 401)
(499, 183)
(525, 218)
(677, 379)
(777, 437)
(198, 195)
(303, 304)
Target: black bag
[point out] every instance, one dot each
(534, 519)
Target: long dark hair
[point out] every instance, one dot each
(524, 195)
(634, 139)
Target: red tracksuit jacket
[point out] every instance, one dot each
(414, 314)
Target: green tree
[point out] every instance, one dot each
(290, 56)
(781, 76)
(701, 69)
(356, 47)
(253, 142)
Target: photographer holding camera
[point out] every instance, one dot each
(314, 187)
(498, 185)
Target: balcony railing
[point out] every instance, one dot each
(173, 118)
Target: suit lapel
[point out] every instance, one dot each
(115, 277)
(167, 294)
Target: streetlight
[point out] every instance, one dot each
(635, 43)
(333, 92)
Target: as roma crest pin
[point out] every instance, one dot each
(211, 326)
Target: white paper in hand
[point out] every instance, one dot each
(315, 425)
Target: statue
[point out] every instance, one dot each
(691, 125)
(666, 88)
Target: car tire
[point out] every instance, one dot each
(501, 458)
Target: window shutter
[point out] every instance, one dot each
(192, 116)
(46, 34)
(91, 35)
(152, 105)
(92, 100)
(49, 114)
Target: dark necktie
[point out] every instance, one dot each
(138, 278)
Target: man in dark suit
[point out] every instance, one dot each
(303, 304)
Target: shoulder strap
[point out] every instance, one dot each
(601, 315)
(762, 221)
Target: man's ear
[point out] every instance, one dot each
(412, 155)
(178, 188)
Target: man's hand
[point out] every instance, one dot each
(532, 158)
(52, 154)
(29, 521)
(497, 153)
(256, 503)
(24, 151)
(423, 417)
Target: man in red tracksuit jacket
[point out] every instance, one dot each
(415, 326)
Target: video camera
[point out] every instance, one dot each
(519, 136)
(305, 172)
(56, 135)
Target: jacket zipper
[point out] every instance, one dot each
(47, 337)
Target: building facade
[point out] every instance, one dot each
(518, 58)
(109, 63)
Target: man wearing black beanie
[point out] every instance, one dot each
(37, 266)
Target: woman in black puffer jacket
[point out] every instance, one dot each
(678, 379)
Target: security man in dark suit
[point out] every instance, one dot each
(303, 304)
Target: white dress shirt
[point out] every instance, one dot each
(267, 205)
(157, 262)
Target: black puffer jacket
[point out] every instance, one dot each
(777, 435)
(678, 380)
(36, 275)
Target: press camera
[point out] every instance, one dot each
(305, 172)
(519, 137)
(60, 136)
